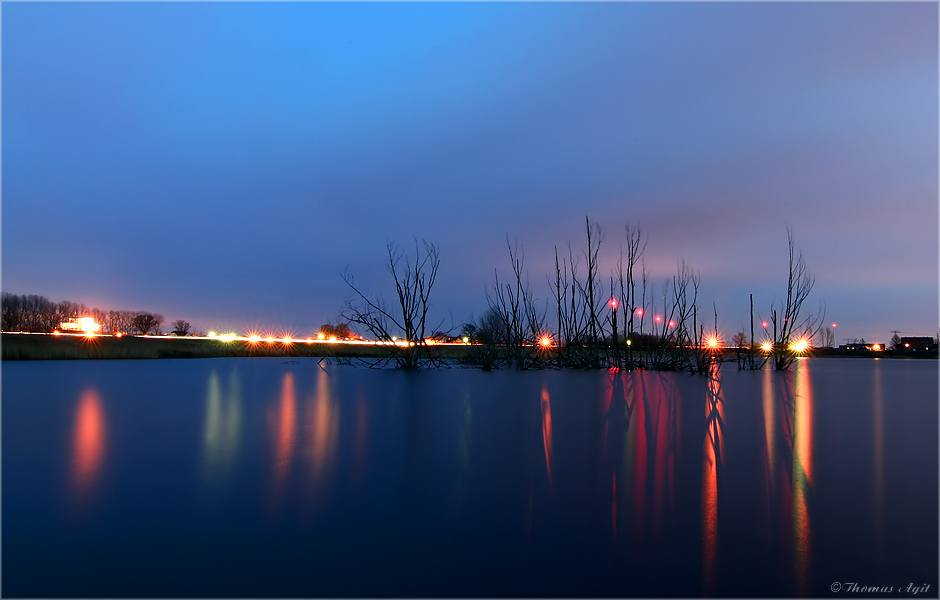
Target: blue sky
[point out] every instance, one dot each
(225, 162)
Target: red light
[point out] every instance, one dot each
(657, 318)
(833, 324)
(672, 323)
(639, 312)
(613, 303)
(764, 324)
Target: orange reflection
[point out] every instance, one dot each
(285, 433)
(321, 429)
(88, 441)
(802, 474)
(714, 420)
(547, 432)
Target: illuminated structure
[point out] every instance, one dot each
(80, 324)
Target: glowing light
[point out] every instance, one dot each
(321, 336)
(56, 332)
(876, 347)
(118, 334)
(211, 334)
(639, 312)
(466, 340)
(254, 339)
(269, 340)
(672, 323)
(614, 303)
(800, 345)
(288, 339)
(545, 341)
(766, 347)
(227, 337)
(90, 334)
(712, 342)
(763, 324)
(833, 324)
(629, 342)
(657, 318)
(332, 338)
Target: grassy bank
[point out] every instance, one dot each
(48, 347)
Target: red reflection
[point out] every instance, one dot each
(547, 432)
(88, 443)
(285, 432)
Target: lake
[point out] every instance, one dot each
(272, 477)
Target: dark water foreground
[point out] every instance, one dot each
(266, 477)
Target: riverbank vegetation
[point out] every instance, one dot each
(594, 318)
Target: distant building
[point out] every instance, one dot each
(80, 324)
(862, 347)
(917, 344)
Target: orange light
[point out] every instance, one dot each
(118, 334)
(56, 332)
(545, 341)
(800, 345)
(876, 347)
(254, 338)
(332, 338)
(321, 336)
(712, 342)
(90, 334)
(766, 347)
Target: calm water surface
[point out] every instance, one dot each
(266, 477)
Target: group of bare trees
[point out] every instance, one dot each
(600, 320)
(38, 314)
(414, 278)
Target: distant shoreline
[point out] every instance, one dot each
(47, 347)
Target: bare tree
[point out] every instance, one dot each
(414, 279)
(145, 323)
(181, 327)
(792, 325)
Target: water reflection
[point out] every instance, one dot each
(284, 434)
(547, 432)
(88, 443)
(711, 463)
(791, 442)
(802, 474)
(322, 423)
(222, 429)
(879, 460)
(641, 446)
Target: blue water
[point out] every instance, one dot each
(276, 478)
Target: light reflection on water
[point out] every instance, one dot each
(340, 481)
(88, 444)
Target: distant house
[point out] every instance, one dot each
(80, 324)
(917, 344)
(862, 347)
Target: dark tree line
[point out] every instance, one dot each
(37, 314)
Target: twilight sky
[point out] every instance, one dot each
(223, 163)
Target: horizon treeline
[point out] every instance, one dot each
(37, 314)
